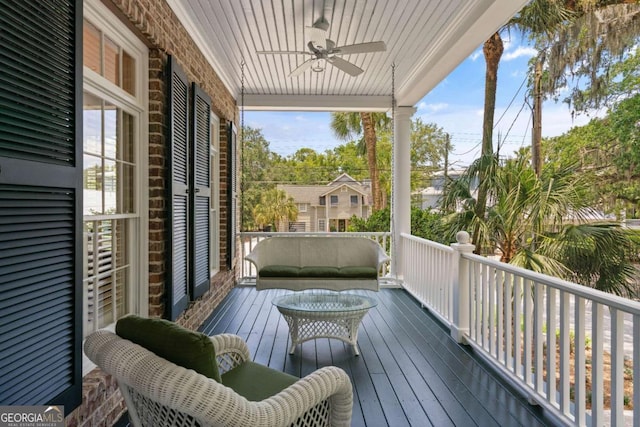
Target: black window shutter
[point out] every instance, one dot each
(177, 291)
(231, 194)
(201, 195)
(41, 202)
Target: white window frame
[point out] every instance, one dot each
(137, 105)
(302, 207)
(322, 224)
(214, 217)
(331, 200)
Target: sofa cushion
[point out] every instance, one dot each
(319, 271)
(358, 272)
(186, 348)
(279, 271)
(256, 382)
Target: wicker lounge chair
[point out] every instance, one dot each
(158, 392)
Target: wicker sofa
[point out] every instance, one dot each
(313, 262)
(158, 392)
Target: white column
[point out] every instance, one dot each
(401, 189)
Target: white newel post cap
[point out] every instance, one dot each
(463, 237)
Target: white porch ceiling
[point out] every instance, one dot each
(426, 40)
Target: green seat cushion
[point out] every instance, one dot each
(319, 271)
(358, 272)
(256, 382)
(186, 348)
(279, 271)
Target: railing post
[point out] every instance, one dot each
(461, 287)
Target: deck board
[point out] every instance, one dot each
(410, 371)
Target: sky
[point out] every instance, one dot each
(455, 105)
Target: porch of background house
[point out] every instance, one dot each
(441, 346)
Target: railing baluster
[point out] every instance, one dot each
(485, 308)
(597, 366)
(500, 279)
(636, 370)
(565, 375)
(580, 367)
(478, 302)
(538, 313)
(508, 309)
(617, 367)
(517, 311)
(491, 323)
(527, 323)
(551, 345)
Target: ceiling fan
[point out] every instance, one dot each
(324, 51)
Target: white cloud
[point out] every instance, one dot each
(475, 55)
(432, 108)
(520, 51)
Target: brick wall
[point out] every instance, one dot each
(156, 24)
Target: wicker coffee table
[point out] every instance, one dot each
(324, 315)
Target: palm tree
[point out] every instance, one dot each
(275, 206)
(348, 125)
(539, 15)
(540, 223)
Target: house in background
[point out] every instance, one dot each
(329, 207)
(430, 197)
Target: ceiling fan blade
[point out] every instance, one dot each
(359, 48)
(330, 44)
(283, 52)
(345, 66)
(302, 68)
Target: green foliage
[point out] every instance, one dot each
(257, 167)
(608, 154)
(274, 206)
(595, 255)
(428, 225)
(540, 223)
(429, 147)
(379, 221)
(424, 223)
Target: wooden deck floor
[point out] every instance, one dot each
(410, 371)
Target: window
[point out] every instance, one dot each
(334, 200)
(322, 225)
(354, 200)
(302, 207)
(323, 200)
(214, 258)
(115, 198)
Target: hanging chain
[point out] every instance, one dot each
(394, 229)
(242, 175)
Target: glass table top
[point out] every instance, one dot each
(324, 302)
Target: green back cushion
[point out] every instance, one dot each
(256, 382)
(279, 271)
(319, 271)
(189, 349)
(358, 272)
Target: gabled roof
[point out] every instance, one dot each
(311, 193)
(345, 177)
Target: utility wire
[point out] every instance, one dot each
(511, 102)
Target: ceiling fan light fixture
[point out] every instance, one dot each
(317, 66)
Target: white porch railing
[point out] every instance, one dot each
(248, 240)
(515, 318)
